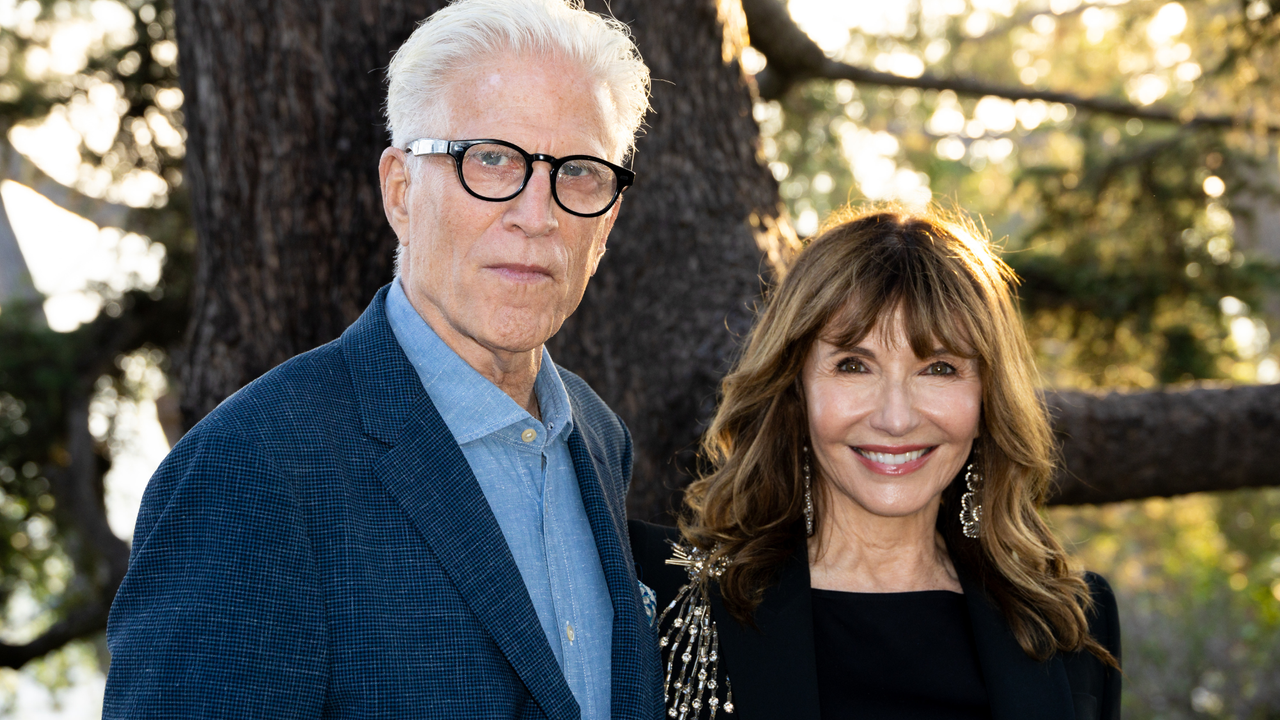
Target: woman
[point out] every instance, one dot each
(867, 542)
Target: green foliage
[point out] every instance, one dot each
(1198, 580)
(138, 67)
(1125, 257)
(46, 377)
(37, 365)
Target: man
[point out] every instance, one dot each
(425, 517)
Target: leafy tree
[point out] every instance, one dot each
(59, 550)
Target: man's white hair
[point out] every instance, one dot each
(468, 32)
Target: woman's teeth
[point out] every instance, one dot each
(890, 459)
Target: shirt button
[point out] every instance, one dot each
(568, 631)
(529, 435)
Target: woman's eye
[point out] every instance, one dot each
(941, 368)
(851, 365)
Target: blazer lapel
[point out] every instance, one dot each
(771, 668)
(608, 523)
(427, 474)
(1019, 687)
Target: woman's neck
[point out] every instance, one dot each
(856, 551)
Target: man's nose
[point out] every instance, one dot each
(533, 210)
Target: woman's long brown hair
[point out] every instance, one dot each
(953, 290)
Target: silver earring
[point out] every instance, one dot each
(808, 496)
(970, 508)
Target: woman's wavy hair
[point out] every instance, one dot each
(938, 269)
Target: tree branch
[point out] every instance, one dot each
(84, 620)
(100, 557)
(19, 168)
(794, 57)
(1156, 444)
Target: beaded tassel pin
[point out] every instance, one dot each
(691, 639)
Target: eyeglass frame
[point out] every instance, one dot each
(457, 149)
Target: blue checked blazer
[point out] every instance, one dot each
(317, 547)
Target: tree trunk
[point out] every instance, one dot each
(662, 318)
(284, 130)
(1124, 446)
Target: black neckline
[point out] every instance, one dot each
(838, 594)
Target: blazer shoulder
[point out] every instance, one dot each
(589, 407)
(604, 432)
(1095, 686)
(1104, 620)
(307, 389)
(651, 547)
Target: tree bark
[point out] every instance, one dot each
(283, 110)
(662, 318)
(1124, 446)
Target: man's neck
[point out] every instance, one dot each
(513, 372)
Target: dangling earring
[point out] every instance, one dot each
(808, 496)
(970, 508)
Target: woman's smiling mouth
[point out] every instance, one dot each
(893, 460)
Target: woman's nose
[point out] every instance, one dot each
(894, 414)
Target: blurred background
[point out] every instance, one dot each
(1123, 152)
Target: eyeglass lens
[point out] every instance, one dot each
(496, 172)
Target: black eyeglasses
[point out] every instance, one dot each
(497, 171)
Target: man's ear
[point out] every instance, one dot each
(609, 218)
(393, 176)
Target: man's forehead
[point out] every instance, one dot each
(515, 92)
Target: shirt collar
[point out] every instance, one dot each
(471, 406)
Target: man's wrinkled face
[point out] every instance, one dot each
(503, 275)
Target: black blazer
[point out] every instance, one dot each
(774, 674)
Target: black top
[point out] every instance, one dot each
(772, 661)
(900, 656)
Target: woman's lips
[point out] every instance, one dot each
(887, 460)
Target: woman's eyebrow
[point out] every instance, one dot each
(855, 350)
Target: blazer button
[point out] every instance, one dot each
(529, 435)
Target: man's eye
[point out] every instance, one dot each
(941, 368)
(583, 170)
(492, 159)
(573, 169)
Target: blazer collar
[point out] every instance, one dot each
(387, 387)
(1019, 687)
(774, 672)
(632, 639)
(427, 474)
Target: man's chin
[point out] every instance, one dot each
(519, 331)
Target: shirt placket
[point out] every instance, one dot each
(562, 583)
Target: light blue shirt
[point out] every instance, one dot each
(527, 475)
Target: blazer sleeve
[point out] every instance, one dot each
(1093, 683)
(220, 613)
